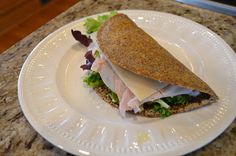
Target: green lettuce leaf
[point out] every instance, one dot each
(114, 97)
(164, 112)
(162, 104)
(92, 25)
(96, 54)
(179, 99)
(93, 79)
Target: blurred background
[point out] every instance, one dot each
(18, 18)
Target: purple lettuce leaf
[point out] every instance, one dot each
(89, 60)
(83, 39)
(89, 56)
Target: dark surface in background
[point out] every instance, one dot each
(44, 1)
(228, 2)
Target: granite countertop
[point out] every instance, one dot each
(17, 137)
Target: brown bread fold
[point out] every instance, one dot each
(128, 46)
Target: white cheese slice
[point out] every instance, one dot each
(141, 87)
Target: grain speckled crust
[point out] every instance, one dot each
(103, 93)
(128, 46)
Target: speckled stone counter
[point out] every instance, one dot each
(17, 137)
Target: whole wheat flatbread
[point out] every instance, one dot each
(128, 46)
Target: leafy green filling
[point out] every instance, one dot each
(96, 54)
(164, 112)
(93, 79)
(158, 105)
(92, 25)
(114, 97)
(179, 99)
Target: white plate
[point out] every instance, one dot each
(74, 118)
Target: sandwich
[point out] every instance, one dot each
(132, 72)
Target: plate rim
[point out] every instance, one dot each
(38, 129)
